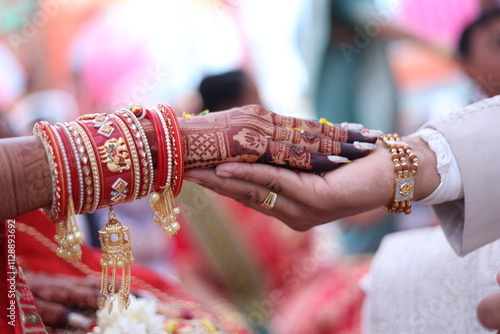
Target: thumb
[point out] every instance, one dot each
(488, 311)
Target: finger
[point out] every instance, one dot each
(345, 132)
(279, 180)
(76, 296)
(53, 314)
(58, 316)
(488, 311)
(295, 158)
(322, 145)
(251, 195)
(324, 130)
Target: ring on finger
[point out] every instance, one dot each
(269, 201)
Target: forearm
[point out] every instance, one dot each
(427, 176)
(25, 181)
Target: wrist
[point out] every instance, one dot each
(425, 180)
(427, 177)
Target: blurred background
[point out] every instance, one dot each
(388, 64)
(102, 55)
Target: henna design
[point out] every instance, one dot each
(259, 110)
(282, 134)
(296, 158)
(310, 124)
(27, 172)
(335, 133)
(205, 149)
(239, 134)
(258, 124)
(251, 140)
(330, 147)
(307, 140)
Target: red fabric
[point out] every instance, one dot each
(34, 254)
(35, 250)
(12, 283)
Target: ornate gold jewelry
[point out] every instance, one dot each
(270, 200)
(162, 199)
(165, 211)
(116, 254)
(405, 165)
(115, 154)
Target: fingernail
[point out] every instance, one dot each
(372, 133)
(192, 179)
(223, 174)
(352, 126)
(364, 146)
(338, 159)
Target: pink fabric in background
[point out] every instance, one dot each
(438, 21)
(112, 60)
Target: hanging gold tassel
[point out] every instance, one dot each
(68, 236)
(116, 254)
(165, 211)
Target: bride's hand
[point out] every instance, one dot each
(254, 134)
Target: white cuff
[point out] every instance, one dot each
(451, 187)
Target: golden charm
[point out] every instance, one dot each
(116, 254)
(165, 211)
(68, 236)
(114, 154)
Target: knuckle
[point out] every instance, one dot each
(249, 196)
(256, 109)
(273, 185)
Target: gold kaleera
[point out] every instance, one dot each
(116, 254)
(166, 212)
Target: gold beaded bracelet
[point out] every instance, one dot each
(405, 165)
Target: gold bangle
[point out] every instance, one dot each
(405, 166)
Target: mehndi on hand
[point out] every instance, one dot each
(254, 134)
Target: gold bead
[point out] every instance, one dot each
(155, 197)
(175, 226)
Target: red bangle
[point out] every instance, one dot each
(97, 172)
(75, 165)
(177, 147)
(113, 159)
(135, 163)
(58, 208)
(62, 213)
(159, 126)
(69, 164)
(143, 149)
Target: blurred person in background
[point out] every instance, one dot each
(479, 53)
(487, 5)
(227, 90)
(355, 84)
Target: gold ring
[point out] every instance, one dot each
(268, 203)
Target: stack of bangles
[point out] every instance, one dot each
(405, 166)
(101, 160)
